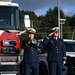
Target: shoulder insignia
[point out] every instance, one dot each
(38, 44)
(47, 37)
(26, 45)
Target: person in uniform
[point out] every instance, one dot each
(30, 57)
(56, 52)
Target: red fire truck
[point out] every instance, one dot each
(9, 38)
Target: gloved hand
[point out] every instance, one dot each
(34, 42)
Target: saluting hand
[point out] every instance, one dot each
(51, 34)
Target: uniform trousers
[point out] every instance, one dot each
(31, 67)
(55, 68)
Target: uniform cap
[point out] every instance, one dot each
(31, 30)
(55, 29)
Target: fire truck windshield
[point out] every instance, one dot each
(70, 46)
(9, 18)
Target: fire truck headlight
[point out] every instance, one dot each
(8, 43)
(5, 43)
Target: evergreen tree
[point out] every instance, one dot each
(44, 23)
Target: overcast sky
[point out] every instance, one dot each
(40, 7)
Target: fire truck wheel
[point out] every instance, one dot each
(43, 69)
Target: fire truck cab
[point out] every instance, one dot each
(9, 41)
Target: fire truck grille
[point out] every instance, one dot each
(12, 68)
(8, 58)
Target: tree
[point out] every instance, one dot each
(72, 25)
(44, 23)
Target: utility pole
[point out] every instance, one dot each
(32, 23)
(58, 3)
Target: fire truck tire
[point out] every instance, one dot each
(43, 69)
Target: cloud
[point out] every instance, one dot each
(68, 2)
(39, 5)
(41, 12)
(38, 12)
(67, 12)
(34, 4)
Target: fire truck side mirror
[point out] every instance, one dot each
(26, 24)
(26, 21)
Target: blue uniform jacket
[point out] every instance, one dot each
(30, 51)
(56, 51)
